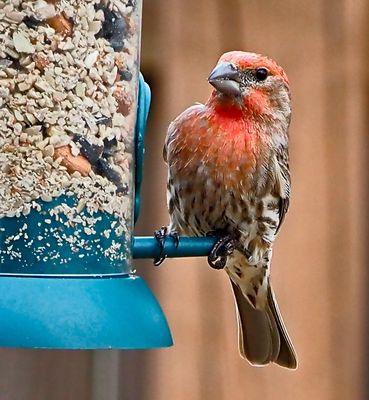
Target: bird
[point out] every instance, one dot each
(229, 177)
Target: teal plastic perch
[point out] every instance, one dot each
(148, 247)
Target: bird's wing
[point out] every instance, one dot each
(178, 124)
(282, 182)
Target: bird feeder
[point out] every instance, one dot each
(73, 109)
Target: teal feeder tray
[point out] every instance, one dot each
(61, 295)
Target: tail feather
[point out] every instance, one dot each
(262, 335)
(287, 356)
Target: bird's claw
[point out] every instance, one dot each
(174, 235)
(223, 248)
(161, 236)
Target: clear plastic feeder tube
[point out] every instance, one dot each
(68, 96)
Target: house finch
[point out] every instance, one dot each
(229, 175)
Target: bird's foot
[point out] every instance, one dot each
(222, 248)
(161, 236)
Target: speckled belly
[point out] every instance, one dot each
(200, 205)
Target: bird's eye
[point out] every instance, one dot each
(261, 74)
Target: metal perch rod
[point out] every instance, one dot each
(148, 247)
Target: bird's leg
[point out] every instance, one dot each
(223, 247)
(161, 236)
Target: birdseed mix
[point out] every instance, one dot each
(68, 87)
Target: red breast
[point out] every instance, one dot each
(229, 145)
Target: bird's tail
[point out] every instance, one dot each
(263, 337)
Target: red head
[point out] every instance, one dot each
(251, 82)
(250, 61)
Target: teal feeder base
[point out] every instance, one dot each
(117, 312)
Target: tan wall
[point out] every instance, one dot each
(319, 266)
(319, 259)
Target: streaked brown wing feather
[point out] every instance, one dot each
(283, 183)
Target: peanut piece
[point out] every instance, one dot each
(71, 162)
(61, 24)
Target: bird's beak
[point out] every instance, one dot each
(226, 79)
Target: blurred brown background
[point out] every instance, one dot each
(320, 258)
